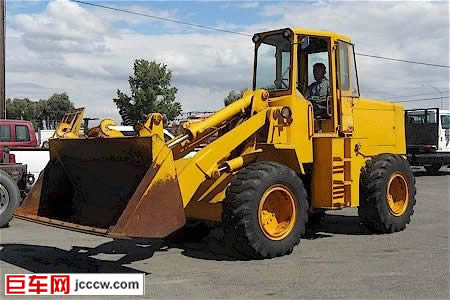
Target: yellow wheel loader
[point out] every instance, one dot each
(302, 141)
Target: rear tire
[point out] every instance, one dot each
(433, 169)
(265, 210)
(387, 194)
(9, 198)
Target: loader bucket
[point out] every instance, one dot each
(108, 186)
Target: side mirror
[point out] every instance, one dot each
(304, 43)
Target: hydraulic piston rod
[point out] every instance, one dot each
(222, 115)
(178, 140)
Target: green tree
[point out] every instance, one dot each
(49, 110)
(151, 91)
(233, 96)
(55, 108)
(42, 114)
(20, 109)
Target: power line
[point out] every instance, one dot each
(403, 60)
(391, 95)
(409, 96)
(426, 99)
(235, 32)
(395, 95)
(160, 18)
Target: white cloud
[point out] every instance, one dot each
(81, 51)
(91, 76)
(249, 4)
(413, 30)
(63, 26)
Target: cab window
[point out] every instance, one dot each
(273, 58)
(419, 117)
(348, 77)
(22, 133)
(5, 133)
(445, 121)
(313, 67)
(313, 74)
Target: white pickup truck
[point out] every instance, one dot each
(43, 136)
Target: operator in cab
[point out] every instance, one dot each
(318, 91)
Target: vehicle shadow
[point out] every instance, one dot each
(195, 242)
(214, 247)
(337, 224)
(44, 259)
(210, 245)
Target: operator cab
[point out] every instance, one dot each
(316, 66)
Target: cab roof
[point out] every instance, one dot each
(298, 30)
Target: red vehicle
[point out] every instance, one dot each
(17, 134)
(15, 181)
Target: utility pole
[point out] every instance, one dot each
(2, 61)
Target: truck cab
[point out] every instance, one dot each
(17, 134)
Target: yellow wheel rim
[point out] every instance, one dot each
(277, 212)
(397, 194)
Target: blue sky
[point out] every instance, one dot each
(58, 45)
(212, 13)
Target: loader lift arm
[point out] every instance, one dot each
(211, 160)
(164, 186)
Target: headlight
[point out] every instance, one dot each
(30, 179)
(286, 112)
(255, 38)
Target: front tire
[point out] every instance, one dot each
(9, 198)
(387, 194)
(265, 210)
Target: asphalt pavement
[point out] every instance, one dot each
(339, 258)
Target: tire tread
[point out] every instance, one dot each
(373, 209)
(237, 210)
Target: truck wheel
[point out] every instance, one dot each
(45, 145)
(9, 198)
(433, 169)
(387, 194)
(265, 210)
